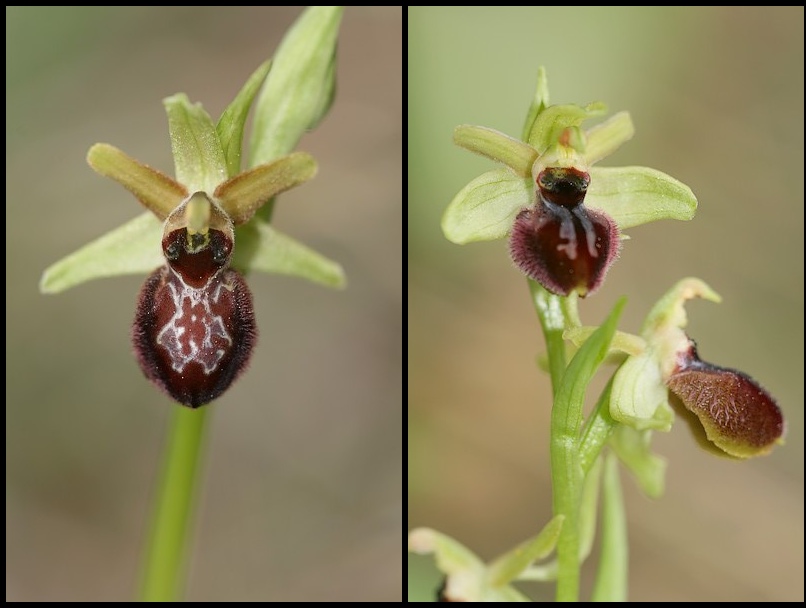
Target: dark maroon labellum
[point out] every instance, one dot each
(194, 329)
(738, 416)
(559, 242)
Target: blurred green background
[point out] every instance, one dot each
(302, 495)
(716, 95)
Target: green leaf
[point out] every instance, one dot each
(506, 568)
(566, 468)
(636, 195)
(485, 209)
(611, 578)
(198, 157)
(497, 146)
(261, 247)
(583, 366)
(605, 138)
(550, 123)
(242, 195)
(231, 124)
(300, 89)
(588, 509)
(632, 448)
(587, 527)
(597, 430)
(156, 191)
(133, 248)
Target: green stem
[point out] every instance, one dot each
(164, 567)
(566, 422)
(550, 311)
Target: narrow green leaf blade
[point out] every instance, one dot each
(231, 124)
(539, 103)
(506, 568)
(133, 248)
(611, 579)
(577, 377)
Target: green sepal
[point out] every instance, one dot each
(551, 122)
(133, 248)
(485, 209)
(260, 247)
(636, 195)
(198, 157)
(605, 138)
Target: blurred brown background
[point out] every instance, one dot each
(302, 495)
(716, 95)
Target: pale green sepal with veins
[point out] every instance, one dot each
(133, 248)
(485, 209)
(636, 195)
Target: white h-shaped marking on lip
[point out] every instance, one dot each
(170, 335)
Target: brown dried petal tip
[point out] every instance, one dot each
(560, 243)
(738, 416)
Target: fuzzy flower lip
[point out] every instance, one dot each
(487, 207)
(289, 101)
(559, 242)
(739, 418)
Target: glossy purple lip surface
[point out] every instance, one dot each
(559, 242)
